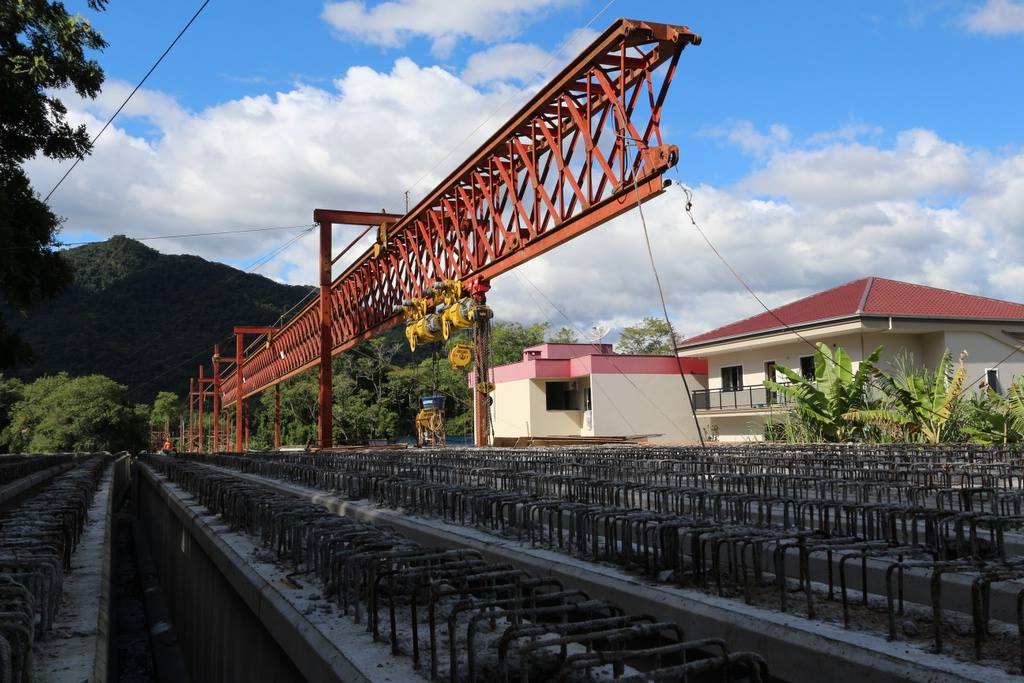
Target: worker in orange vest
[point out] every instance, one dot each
(168, 445)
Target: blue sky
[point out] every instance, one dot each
(895, 120)
(811, 66)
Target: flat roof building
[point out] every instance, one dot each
(589, 390)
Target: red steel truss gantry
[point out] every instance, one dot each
(587, 147)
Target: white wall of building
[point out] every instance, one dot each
(788, 354)
(985, 348)
(622, 405)
(510, 411)
(544, 422)
(643, 404)
(985, 344)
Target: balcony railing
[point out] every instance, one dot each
(755, 397)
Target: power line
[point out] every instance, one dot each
(615, 405)
(610, 358)
(789, 328)
(130, 95)
(259, 262)
(661, 292)
(312, 292)
(237, 231)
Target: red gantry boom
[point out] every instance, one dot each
(560, 167)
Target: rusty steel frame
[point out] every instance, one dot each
(557, 169)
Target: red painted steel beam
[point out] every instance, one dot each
(584, 149)
(341, 217)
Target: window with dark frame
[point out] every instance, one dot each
(771, 375)
(561, 396)
(807, 367)
(992, 379)
(732, 378)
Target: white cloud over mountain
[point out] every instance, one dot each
(811, 213)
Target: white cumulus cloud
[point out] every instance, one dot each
(812, 212)
(841, 174)
(997, 17)
(444, 22)
(508, 61)
(745, 136)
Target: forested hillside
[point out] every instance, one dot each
(136, 315)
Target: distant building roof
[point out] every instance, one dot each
(867, 297)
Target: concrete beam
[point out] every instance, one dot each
(317, 657)
(797, 649)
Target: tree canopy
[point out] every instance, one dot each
(42, 51)
(508, 339)
(61, 413)
(650, 336)
(565, 335)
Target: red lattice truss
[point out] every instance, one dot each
(583, 150)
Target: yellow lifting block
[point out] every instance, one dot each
(460, 356)
(424, 330)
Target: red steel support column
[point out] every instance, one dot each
(277, 416)
(326, 396)
(227, 432)
(191, 419)
(239, 389)
(202, 400)
(216, 397)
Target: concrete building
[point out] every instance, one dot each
(858, 316)
(589, 390)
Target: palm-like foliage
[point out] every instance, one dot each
(920, 405)
(826, 404)
(994, 419)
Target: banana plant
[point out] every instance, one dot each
(920, 405)
(994, 419)
(825, 403)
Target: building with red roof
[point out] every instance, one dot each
(904, 318)
(589, 390)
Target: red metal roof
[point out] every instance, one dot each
(867, 297)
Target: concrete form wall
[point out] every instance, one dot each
(219, 635)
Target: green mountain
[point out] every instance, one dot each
(139, 316)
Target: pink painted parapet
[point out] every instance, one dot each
(563, 361)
